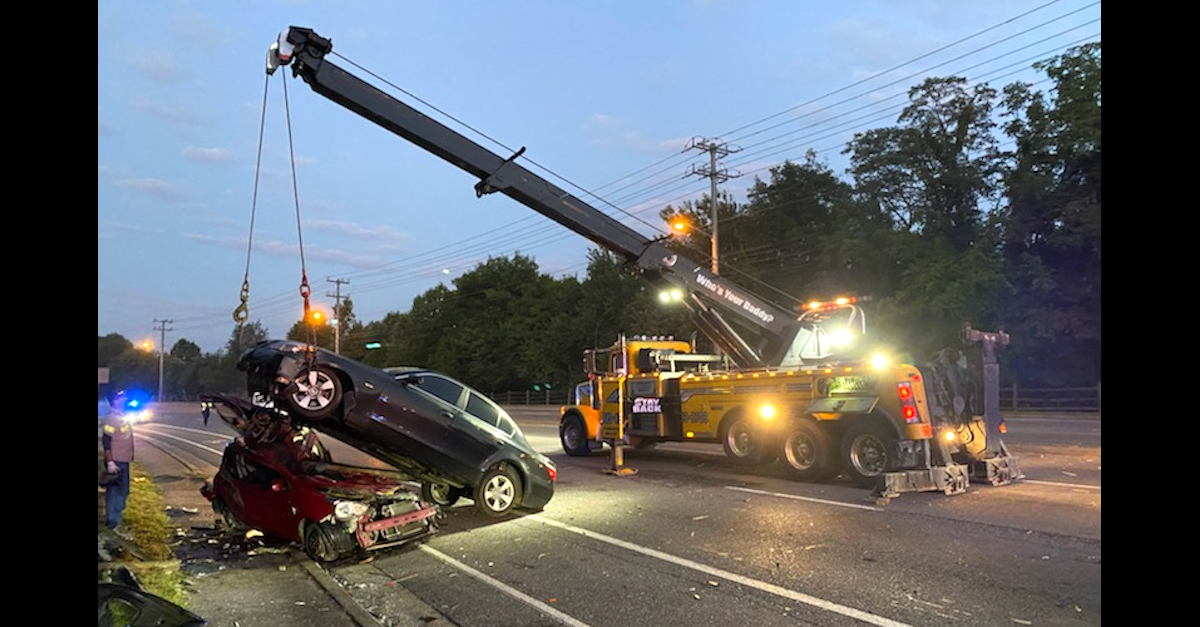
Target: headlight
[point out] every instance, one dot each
(767, 412)
(840, 337)
(142, 415)
(348, 510)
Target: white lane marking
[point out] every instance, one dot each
(781, 495)
(763, 586)
(1061, 485)
(509, 590)
(159, 425)
(184, 440)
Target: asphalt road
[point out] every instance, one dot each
(691, 540)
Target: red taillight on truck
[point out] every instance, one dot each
(908, 405)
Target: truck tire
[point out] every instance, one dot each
(868, 450)
(807, 452)
(573, 435)
(743, 443)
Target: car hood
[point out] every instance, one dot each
(354, 482)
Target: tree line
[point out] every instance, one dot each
(979, 206)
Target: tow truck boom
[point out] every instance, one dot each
(784, 338)
(887, 425)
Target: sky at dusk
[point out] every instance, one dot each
(198, 148)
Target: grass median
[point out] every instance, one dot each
(144, 543)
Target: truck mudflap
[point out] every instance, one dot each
(948, 479)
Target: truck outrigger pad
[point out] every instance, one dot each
(949, 479)
(998, 470)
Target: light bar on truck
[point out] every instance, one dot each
(817, 305)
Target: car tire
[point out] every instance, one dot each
(440, 494)
(317, 544)
(499, 492)
(573, 435)
(315, 393)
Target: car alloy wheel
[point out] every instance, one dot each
(499, 492)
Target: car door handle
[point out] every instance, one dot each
(448, 414)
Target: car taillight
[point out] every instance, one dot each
(908, 405)
(552, 471)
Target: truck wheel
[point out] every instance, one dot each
(743, 443)
(867, 452)
(807, 453)
(315, 393)
(573, 435)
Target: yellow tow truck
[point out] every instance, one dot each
(779, 384)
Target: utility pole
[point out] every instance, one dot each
(162, 350)
(714, 149)
(337, 311)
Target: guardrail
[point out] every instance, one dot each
(529, 397)
(1012, 398)
(1079, 399)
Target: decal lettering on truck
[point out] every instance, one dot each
(647, 405)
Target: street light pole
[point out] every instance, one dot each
(162, 350)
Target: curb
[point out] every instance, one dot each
(359, 614)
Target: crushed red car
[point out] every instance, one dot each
(455, 440)
(278, 478)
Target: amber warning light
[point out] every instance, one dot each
(818, 305)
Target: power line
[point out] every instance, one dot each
(640, 185)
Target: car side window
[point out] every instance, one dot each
(507, 425)
(441, 387)
(244, 470)
(487, 411)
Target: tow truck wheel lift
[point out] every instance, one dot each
(997, 469)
